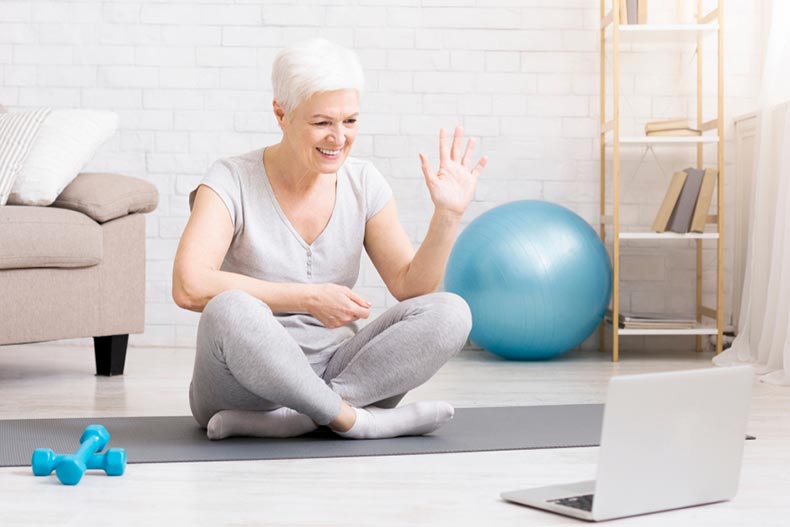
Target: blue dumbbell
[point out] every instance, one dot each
(71, 467)
(113, 461)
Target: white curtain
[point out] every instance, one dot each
(764, 326)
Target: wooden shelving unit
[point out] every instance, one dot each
(710, 320)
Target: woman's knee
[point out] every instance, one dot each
(230, 301)
(450, 321)
(229, 306)
(454, 313)
(227, 317)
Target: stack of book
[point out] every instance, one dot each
(651, 321)
(686, 203)
(670, 127)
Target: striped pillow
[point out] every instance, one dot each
(66, 142)
(17, 133)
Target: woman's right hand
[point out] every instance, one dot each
(336, 305)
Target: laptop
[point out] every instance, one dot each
(669, 440)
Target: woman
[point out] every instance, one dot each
(272, 250)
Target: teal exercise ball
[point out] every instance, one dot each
(536, 277)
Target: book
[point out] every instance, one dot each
(674, 132)
(680, 220)
(666, 124)
(670, 199)
(631, 11)
(651, 320)
(655, 325)
(700, 217)
(641, 12)
(647, 316)
(623, 12)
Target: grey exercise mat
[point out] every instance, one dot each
(179, 439)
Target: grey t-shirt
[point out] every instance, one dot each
(266, 246)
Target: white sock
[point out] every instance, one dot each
(410, 420)
(282, 422)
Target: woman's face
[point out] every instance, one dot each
(322, 129)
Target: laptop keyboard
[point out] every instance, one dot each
(584, 502)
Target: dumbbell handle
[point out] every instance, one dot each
(95, 462)
(87, 448)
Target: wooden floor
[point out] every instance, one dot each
(449, 489)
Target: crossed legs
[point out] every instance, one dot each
(251, 377)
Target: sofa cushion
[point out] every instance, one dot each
(47, 237)
(105, 197)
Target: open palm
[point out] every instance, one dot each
(452, 186)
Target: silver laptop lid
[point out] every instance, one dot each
(671, 440)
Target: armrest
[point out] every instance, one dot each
(105, 197)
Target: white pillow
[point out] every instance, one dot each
(66, 141)
(18, 132)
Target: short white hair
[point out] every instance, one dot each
(313, 66)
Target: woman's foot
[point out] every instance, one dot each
(409, 420)
(282, 422)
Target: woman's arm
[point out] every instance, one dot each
(204, 243)
(406, 273)
(197, 277)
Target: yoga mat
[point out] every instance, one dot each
(179, 439)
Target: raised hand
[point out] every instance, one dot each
(336, 305)
(452, 186)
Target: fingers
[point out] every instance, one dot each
(361, 312)
(480, 166)
(356, 309)
(426, 168)
(444, 152)
(452, 153)
(457, 140)
(360, 308)
(359, 300)
(470, 147)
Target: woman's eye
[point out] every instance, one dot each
(325, 123)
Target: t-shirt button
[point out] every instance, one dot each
(309, 253)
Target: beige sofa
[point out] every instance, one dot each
(77, 268)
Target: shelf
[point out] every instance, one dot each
(608, 220)
(666, 140)
(669, 28)
(700, 329)
(664, 33)
(669, 236)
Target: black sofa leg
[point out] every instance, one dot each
(110, 354)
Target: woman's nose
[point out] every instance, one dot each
(336, 134)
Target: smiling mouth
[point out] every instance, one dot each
(329, 153)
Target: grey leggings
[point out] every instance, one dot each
(246, 360)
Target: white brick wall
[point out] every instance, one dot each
(190, 81)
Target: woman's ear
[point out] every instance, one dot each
(279, 112)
